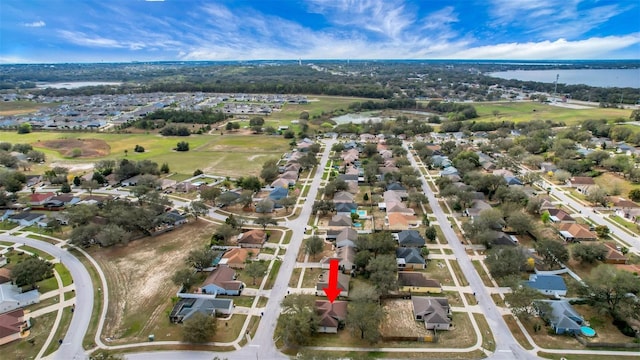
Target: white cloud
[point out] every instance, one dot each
(592, 48)
(35, 24)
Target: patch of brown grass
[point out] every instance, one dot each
(139, 279)
(90, 148)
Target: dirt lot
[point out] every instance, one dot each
(90, 147)
(139, 279)
(399, 320)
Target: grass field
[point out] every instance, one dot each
(228, 155)
(10, 108)
(527, 111)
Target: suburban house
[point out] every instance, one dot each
(190, 304)
(347, 256)
(13, 326)
(435, 312)
(576, 232)
(26, 218)
(39, 199)
(331, 315)
(562, 317)
(11, 298)
(345, 207)
(547, 284)
(476, 207)
(581, 183)
(410, 238)
(400, 221)
(614, 256)
(503, 239)
(340, 220)
(409, 258)
(560, 216)
(343, 196)
(323, 282)
(253, 238)
(132, 181)
(347, 237)
(415, 282)
(221, 281)
(236, 258)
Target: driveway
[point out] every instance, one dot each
(506, 345)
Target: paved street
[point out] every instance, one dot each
(506, 345)
(72, 344)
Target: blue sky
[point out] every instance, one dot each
(139, 30)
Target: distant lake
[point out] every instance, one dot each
(74, 85)
(592, 77)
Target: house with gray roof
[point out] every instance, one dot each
(190, 304)
(11, 298)
(410, 238)
(434, 312)
(409, 258)
(562, 317)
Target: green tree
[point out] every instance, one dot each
(31, 270)
(383, 273)
(184, 277)
(201, 258)
(265, 220)
(209, 194)
(634, 195)
(365, 314)
(164, 168)
(552, 252)
(256, 269)
(520, 222)
(503, 261)
(597, 196)
(65, 188)
(24, 128)
(112, 234)
(313, 246)
(608, 288)
(585, 253)
(602, 231)
(299, 320)
(199, 328)
(224, 233)
(197, 172)
(288, 202)
(431, 233)
(89, 185)
(198, 208)
(182, 146)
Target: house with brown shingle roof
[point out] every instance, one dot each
(331, 316)
(614, 256)
(253, 238)
(560, 216)
(236, 258)
(415, 282)
(576, 232)
(400, 221)
(13, 326)
(581, 183)
(222, 281)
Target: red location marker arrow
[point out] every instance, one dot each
(332, 290)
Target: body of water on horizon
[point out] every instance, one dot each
(591, 77)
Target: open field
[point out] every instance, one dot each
(229, 155)
(527, 111)
(10, 108)
(138, 276)
(399, 320)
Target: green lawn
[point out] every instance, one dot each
(527, 111)
(61, 331)
(64, 273)
(230, 155)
